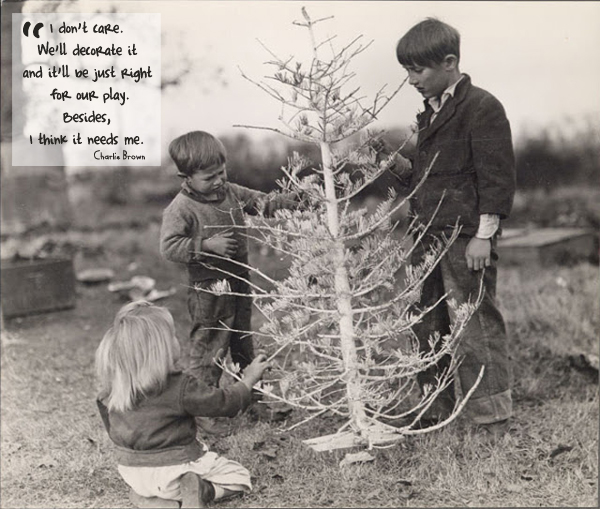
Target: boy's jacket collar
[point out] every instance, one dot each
(426, 130)
(202, 198)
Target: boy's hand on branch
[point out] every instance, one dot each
(379, 146)
(222, 244)
(254, 371)
(400, 166)
(478, 253)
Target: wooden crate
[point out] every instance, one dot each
(547, 246)
(35, 286)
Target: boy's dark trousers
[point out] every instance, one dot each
(483, 342)
(212, 316)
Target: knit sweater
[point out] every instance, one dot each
(191, 218)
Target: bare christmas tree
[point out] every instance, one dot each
(340, 322)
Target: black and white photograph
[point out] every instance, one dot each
(299, 254)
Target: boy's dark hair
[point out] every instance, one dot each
(427, 43)
(196, 151)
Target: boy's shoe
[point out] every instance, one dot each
(438, 412)
(151, 502)
(494, 430)
(213, 426)
(440, 409)
(195, 492)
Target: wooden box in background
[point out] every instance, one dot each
(35, 286)
(547, 246)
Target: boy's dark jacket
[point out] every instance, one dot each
(474, 172)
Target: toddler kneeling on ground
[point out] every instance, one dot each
(149, 407)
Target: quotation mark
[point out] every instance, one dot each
(36, 29)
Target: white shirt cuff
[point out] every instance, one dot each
(488, 226)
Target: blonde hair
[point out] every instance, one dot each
(136, 354)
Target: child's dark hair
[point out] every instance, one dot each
(427, 43)
(196, 151)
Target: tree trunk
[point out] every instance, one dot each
(343, 296)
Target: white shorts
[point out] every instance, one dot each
(163, 482)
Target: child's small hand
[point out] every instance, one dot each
(222, 244)
(254, 372)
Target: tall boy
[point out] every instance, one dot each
(473, 182)
(207, 217)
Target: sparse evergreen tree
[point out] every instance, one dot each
(340, 322)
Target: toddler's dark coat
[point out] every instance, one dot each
(160, 430)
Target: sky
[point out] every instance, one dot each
(540, 59)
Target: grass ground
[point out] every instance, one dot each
(55, 452)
